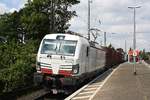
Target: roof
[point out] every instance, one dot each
(67, 36)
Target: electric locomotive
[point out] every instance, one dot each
(67, 60)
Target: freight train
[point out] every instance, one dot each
(65, 60)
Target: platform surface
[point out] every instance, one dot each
(124, 85)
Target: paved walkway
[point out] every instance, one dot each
(123, 85)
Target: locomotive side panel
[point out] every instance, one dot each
(96, 58)
(82, 55)
(92, 59)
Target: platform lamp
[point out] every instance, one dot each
(134, 35)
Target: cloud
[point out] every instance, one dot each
(116, 18)
(13, 4)
(20, 3)
(23, 2)
(3, 8)
(114, 15)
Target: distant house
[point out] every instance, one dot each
(3, 39)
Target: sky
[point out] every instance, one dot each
(115, 17)
(11, 5)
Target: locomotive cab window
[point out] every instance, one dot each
(59, 47)
(67, 47)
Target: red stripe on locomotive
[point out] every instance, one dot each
(47, 71)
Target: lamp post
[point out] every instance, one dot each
(134, 35)
(125, 49)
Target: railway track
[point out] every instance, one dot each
(43, 95)
(83, 93)
(36, 95)
(88, 91)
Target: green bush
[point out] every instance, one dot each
(16, 65)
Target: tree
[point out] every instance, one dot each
(144, 55)
(4, 25)
(38, 18)
(16, 65)
(41, 17)
(9, 24)
(110, 46)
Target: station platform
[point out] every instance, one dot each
(124, 85)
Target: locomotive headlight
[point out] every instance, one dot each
(75, 69)
(38, 66)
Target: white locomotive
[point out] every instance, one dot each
(67, 60)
